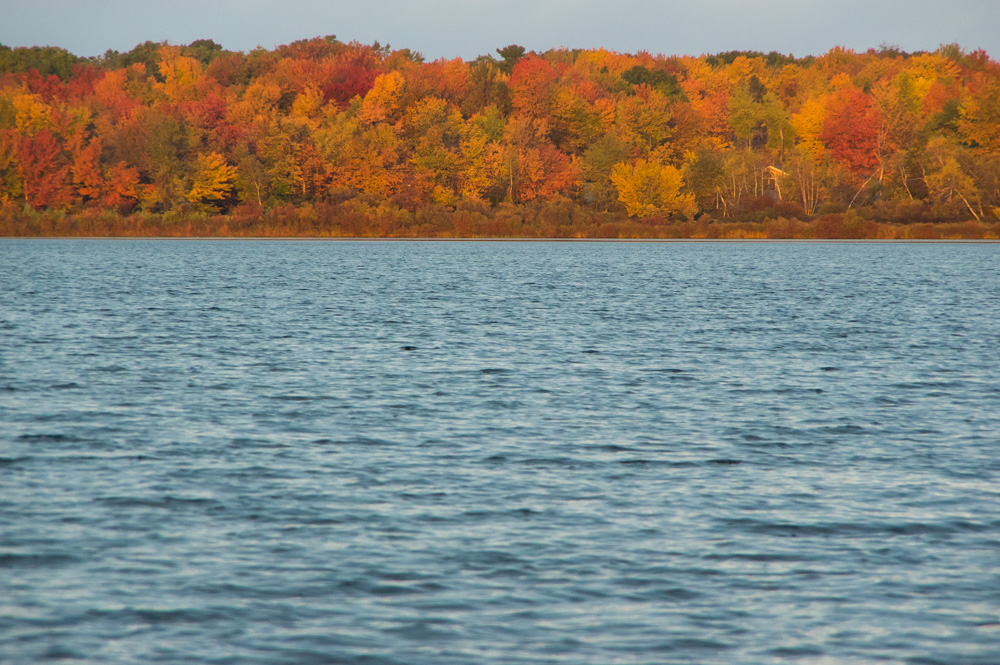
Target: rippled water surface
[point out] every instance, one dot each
(491, 453)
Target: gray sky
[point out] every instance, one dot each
(467, 28)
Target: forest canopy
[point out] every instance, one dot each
(322, 137)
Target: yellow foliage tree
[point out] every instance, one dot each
(31, 114)
(308, 107)
(180, 73)
(480, 162)
(10, 183)
(375, 162)
(808, 124)
(980, 120)
(927, 68)
(651, 188)
(259, 104)
(946, 179)
(382, 103)
(213, 179)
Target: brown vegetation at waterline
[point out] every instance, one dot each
(545, 221)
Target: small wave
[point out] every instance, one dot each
(491, 558)
(649, 462)
(59, 652)
(843, 429)
(504, 405)
(757, 441)
(353, 441)
(796, 652)
(652, 589)
(164, 502)
(248, 442)
(519, 513)
(15, 560)
(855, 529)
(615, 448)
(924, 385)
(691, 644)
(156, 616)
(423, 631)
(49, 438)
(225, 385)
(550, 461)
(762, 557)
(945, 527)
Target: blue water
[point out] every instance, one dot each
(493, 453)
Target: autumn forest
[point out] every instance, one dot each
(333, 139)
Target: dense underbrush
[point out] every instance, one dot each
(553, 219)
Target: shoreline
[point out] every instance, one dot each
(853, 241)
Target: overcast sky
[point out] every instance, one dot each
(468, 28)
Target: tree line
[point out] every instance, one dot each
(322, 137)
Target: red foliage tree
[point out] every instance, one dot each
(121, 188)
(851, 130)
(531, 83)
(81, 86)
(354, 74)
(348, 82)
(448, 79)
(86, 170)
(209, 117)
(49, 88)
(44, 171)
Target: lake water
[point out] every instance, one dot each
(491, 453)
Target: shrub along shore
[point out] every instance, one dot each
(540, 222)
